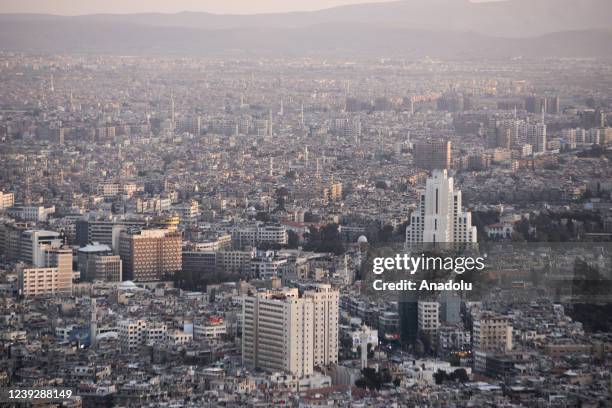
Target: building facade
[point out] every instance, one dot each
(149, 255)
(439, 217)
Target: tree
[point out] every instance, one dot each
(293, 240)
(262, 216)
(386, 233)
(372, 379)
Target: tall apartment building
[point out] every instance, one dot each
(535, 135)
(492, 333)
(432, 154)
(428, 316)
(85, 259)
(440, 218)
(11, 239)
(325, 323)
(33, 244)
(149, 255)
(7, 200)
(349, 128)
(535, 104)
(283, 331)
(332, 192)
(189, 124)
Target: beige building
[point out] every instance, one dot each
(325, 323)
(492, 333)
(283, 331)
(54, 277)
(149, 255)
(7, 200)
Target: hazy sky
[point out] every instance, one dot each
(72, 7)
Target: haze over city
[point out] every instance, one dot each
(306, 203)
(73, 7)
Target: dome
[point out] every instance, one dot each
(362, 239)
(127, 285)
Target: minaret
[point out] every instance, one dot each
(52, 86)
(172, 108)
(281, 112)
(306, 156)
(302, 115)
(28, 191)
(270, 123)
(93, 324)
(271, 170)
(363, 342)
(318, 171)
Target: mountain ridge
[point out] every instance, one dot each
(398, 28)
(510, 18)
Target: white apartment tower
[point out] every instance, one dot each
(283, 331)
(428, 316)
(440, 218)
(277, 332)
(325, 323)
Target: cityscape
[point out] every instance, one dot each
(210, 228)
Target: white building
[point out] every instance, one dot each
(108, 189)
(535, 135)
(428, 315)
(439, 217)
(453, 338)
(132, 333)
(259, 233)
(285, 332)
(211, 328)
(32, 213)
(268, 265)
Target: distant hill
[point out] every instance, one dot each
(410, 27)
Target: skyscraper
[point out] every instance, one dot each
(440, 218)
(535, 104)
(535, 135)
(432, 154)
(288, 332)
(148, 255)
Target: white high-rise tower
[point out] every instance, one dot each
(439, 217)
